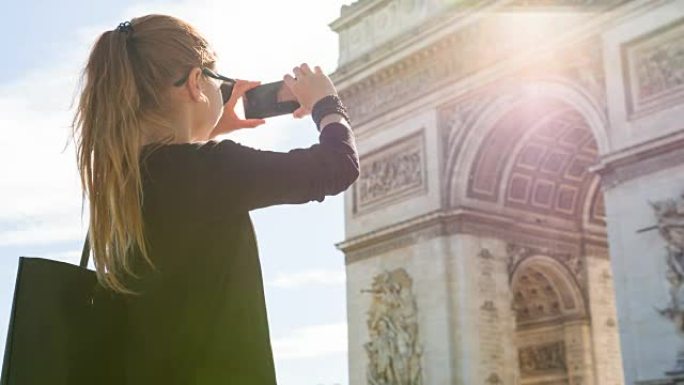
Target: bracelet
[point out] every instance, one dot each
(328, 105)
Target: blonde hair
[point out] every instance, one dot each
(126, 77)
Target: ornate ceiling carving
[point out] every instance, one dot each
(546, 286)
(535, 297)
(536, 159)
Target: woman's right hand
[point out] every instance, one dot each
(308, 87)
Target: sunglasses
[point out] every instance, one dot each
(226, 85)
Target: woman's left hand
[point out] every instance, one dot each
(229, 121)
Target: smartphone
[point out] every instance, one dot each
(270, 99)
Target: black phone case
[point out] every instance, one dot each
(262, 102)
(226, 91)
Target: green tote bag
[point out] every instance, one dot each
(62, 330)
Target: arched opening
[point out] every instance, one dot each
(526, 167)
(550, 315)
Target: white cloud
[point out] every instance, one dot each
(44, 232)
(311, 341)
(308, 278)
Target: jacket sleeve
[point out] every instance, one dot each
(258, 178)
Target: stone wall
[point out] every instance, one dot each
(443, 110)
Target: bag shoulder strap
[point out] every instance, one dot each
(85, 254)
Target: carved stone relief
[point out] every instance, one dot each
(394, 350)
(493, 379)
(390, 173)
(670, 216)
(654, 69)
(541, 359)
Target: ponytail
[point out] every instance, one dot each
(125, 79)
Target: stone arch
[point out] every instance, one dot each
(510, 99)
(540, 280)
(525, 159)
(551, 316)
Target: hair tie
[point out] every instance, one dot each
(327, 105)
(125, 27)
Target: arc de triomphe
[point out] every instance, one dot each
(519, 215)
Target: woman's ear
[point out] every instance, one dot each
(194, 85)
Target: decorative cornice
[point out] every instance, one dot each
(641, 159)
(434, 222)
(425, 43)
(474, 222)
(445, 22)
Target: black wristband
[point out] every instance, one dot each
(328, 105)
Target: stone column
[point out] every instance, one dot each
(481, 317)
(605, 337)
(578, 353)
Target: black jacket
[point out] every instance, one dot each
(202, 317)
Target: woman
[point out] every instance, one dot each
(155, 176)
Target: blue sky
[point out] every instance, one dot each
(46, 44)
